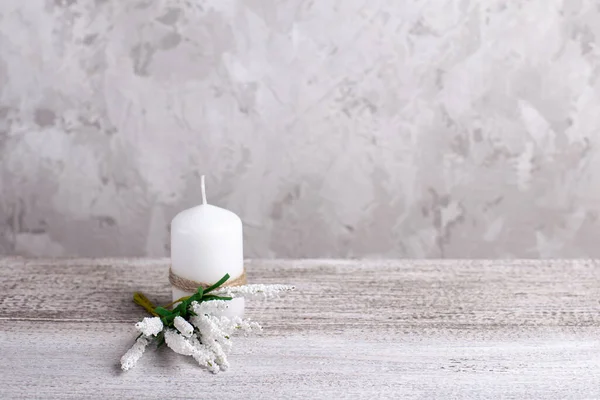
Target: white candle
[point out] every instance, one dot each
(207, 243)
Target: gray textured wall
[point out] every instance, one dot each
(446, 128)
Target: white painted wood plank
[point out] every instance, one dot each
(80, 360)
(331, 294)
(354, 329)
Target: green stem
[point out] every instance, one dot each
(221, 281)
(141, 300)
(177, 301)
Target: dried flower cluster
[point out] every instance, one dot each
(193, 329)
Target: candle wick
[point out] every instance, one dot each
(203, 188)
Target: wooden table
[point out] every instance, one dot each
(353, 329)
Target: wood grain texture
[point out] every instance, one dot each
(354, 329)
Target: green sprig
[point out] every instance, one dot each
(140, 299)
(183, 308)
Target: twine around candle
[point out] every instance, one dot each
(188, 285)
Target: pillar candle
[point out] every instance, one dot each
(207, 243)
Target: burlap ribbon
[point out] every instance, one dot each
(188, 285)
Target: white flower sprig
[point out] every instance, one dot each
(192, 329)
(136, 351)
(253, 291)
(150, 326)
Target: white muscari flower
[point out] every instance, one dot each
(209, 307)
(209, 325)
(150, 326)
(204, 356)
(246, 326)
(205, 335)
(184, 327)
(216, 333)
(220, 355)
(178, 343)
(136, 351)
(212, 330)
(258, 290)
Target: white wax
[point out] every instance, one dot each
(207, 243)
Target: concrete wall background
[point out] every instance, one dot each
(447, 128)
